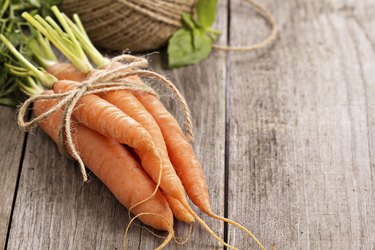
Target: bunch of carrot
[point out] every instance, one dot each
(152, 182)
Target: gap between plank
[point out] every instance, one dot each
(140, 239)
(26, 136)
(227, 125)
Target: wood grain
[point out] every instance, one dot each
(55, 210)
(10, 156)
(302, 127)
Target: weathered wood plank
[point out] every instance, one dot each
(55, 210)
(302, 128)
(10, 156)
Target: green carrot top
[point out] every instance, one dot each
(19, 33)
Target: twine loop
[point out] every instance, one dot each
(114, 76)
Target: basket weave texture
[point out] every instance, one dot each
(137, 25)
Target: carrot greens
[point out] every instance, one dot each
(29, 79)
(64, 40)
(20, 34)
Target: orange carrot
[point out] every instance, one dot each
(180, 152)
(185, 162)
(129, 104)
(103, 117)
(66, 71)
(115, 167)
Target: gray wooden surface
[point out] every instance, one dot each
(286, 138)
(302, 127)
(10, 158)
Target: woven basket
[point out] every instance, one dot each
(137, 25)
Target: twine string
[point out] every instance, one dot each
(112, 78)
(158, 17)
(270, 39)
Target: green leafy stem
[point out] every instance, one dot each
(27, 72)
(31, 45)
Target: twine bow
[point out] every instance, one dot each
(115, 76)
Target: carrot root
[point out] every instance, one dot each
(204, 224)
(152, 195)
(179, 241)
(167, 239)
(187, 237)
(239, 226)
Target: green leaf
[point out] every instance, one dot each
(200, 39)
(14, 27)
(206, 11)
(188, 47)
(188, 20)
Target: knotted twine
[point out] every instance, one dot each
(114, 76)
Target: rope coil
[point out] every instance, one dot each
(144, 25)
(115, 76)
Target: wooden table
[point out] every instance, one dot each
(286, 138)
